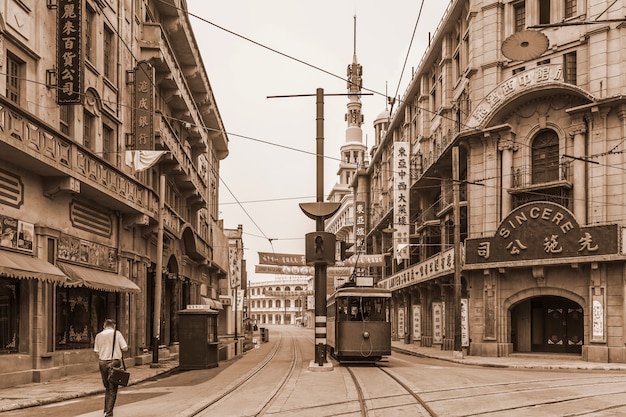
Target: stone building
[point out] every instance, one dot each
(88, 230)
(283, 300)
(496, 184)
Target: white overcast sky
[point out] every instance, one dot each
(271, 164)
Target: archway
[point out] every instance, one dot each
(547, 323)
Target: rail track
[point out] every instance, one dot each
(378, 396)
(254, 392)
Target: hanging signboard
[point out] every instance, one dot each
(69, 52)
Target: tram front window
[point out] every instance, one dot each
(364, 309)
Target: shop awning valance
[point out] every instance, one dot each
(214, 304)
(17, 265)
(99, 280)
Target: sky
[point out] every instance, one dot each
(253, 49)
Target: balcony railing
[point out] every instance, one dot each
(55, 155)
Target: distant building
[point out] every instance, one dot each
(283, 300)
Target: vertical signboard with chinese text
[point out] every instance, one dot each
(359, 226)
(69, 52)
(143, 108)
(401, 183)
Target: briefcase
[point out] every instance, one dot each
(119, 376)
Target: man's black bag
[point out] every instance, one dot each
(118, 376)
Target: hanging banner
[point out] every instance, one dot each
(69, 52)
(401, 180)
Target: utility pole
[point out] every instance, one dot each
(158, 276)
(320, 245)
(457, 351)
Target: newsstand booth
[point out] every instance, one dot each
(198, 338)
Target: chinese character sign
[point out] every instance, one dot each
(143, 108)
(359, 226)
(401, 185)
(69, 52)
(542, 230)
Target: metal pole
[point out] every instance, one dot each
(320, 267)
(157, 275)
(457, 251)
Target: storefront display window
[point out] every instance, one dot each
(8, 315)
(80, 314)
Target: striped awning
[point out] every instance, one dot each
(99, 280)
(21, 266)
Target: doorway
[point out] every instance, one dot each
(547, 324)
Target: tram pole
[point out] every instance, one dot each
(457, 350)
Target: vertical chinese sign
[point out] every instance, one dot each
(359, 226)
(69, 52)
(401, 179)
(143, 108)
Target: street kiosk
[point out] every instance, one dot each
(198, 338)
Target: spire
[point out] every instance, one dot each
(355, 84)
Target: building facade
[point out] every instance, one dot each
(495, 186)
(89, 230)
(283, 300)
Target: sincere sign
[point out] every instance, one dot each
(541, 230)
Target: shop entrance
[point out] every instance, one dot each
(547, 324)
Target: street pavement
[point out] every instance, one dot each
(36, 394)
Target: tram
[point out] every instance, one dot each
(357, 324)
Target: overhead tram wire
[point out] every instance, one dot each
(406, 58)
(312, 65)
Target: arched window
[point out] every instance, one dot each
(277, 303)
(545, 157)
(287, 303)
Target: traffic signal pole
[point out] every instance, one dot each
(320, 243)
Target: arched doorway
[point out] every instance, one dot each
(547, 324)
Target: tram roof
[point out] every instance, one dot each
(362, 291)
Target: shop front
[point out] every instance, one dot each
(422, 309)
(544, 284)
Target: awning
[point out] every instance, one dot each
(99, 280)
(17, 265)
(214, 304)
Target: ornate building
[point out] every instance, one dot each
(502, 165)
(88, 230)
(283, 300)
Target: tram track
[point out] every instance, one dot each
(239, 392)
(367, 398)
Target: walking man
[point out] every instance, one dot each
(109, 345)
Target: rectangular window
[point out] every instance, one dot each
(15, 69)
(89, 135)
(64, 119)
(520, 16)
(90, 46)
(570, 8)
(544, 12)
(109, 54)
(109, 144)
(9, 313)
(569, 68)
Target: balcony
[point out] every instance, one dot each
(183, 171)
(29, 142)
(556, 188)
(197, 105)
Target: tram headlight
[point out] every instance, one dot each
(366, 335)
